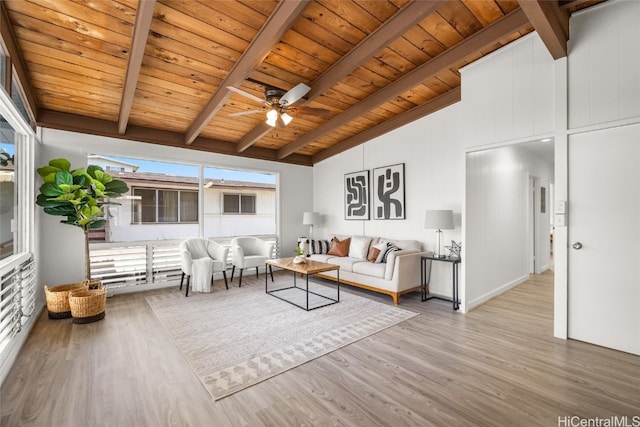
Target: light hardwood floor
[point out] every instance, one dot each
(499, 365)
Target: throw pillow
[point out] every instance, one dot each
(373, 254)
(382, 248)
(319, 246)
(390, 249)
(359, 247)
(339, 248)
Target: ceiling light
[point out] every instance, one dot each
(272, 116)
(545, 140)
(286, 118)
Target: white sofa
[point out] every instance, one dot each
(400, 274)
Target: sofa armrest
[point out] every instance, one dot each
(391, 261)
(406, 271)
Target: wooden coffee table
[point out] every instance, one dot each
(306, 268)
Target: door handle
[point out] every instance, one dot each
(576, 245)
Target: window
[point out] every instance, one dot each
(239, 203)
(8, 187)
(164, 206)
(114, 169)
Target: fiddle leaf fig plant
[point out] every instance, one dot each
(78, 195)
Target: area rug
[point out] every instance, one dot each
(239, 337)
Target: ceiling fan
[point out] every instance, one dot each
(279, 104)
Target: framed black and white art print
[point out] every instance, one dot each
(356, 193)
(388, 192)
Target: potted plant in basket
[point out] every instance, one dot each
(79, 196)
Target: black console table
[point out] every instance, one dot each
(424, 279)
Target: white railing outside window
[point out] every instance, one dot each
(17, 296)
(125, 267)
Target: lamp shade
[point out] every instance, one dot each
(309, 218)
(439, 220)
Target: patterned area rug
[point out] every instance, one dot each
(239, 337)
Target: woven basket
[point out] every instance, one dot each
(88, 305)
(58, 299)
(93, 284)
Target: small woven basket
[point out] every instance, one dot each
(88, 305)
(93, 284)
(58, 299)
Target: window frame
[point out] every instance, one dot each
(157, 191)
(240, 196)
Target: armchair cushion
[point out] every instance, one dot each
(248, 252)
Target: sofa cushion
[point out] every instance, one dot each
(345, 263)
(370, 269)
(359, 247)
(319, 246)
(320, 257)
(339, 248)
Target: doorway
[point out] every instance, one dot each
(506, 221)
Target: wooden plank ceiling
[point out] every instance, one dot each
(159, 71)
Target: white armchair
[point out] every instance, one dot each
(248, 252)
(196, 250)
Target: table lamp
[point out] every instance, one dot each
(309, 218)
(438, 220)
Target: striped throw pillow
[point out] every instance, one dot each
(319, 246)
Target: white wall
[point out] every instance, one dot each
(508, 95)
(434, 179)
(604, 64)
(61, 250)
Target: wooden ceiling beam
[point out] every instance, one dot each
(446, 99)
(482, 39)
(144, 16)
(277, 24)
(550, 22)
(92, 126)
(11, 48)
(386, 33)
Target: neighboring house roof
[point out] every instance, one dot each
(160, 178)
(114, 161)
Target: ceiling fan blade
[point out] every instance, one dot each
(295, 94)
(245, 94)
(296, 111)
(245, 113)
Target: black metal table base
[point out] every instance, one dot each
(306, 290)
(424, 279)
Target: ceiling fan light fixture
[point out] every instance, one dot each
(272, 117)
(286, 118)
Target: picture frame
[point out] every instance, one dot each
(356, 195)
(543, 200)
(388, 192)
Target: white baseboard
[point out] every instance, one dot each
(494, 293)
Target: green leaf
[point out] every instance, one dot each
(96, 211)
(69, 188)
(50, 190)
(62, 164)
(47, 170)
(59, 211)
(97, 224)
(91, 170)
(51, 178)
(116, 188)
(64, 177)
